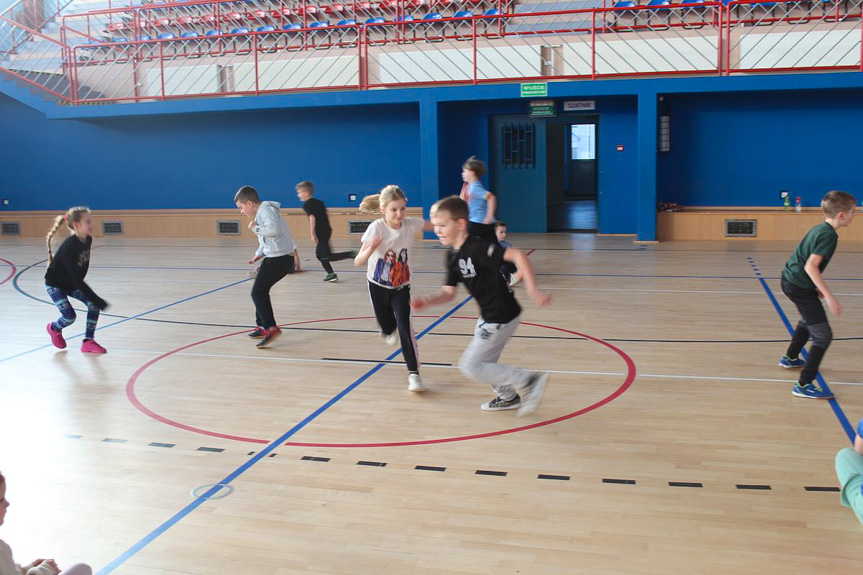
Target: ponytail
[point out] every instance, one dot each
(58, 221)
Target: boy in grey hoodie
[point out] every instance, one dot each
(276, 248)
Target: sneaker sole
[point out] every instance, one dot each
(264, 343)
(791, 366)
(485, 407)
(804, 396)
(531, 402)
(332, 281)
(417, 388)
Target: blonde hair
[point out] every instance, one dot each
(307, 186)
(836, 201)
(72, 216)
(376, 203)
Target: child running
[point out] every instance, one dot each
(386, 252)
(37, 567)
(849, 469)
(476, 263)
(277, 250)
(319, 223)
(482, 204)
(507, 269)
(803, 284)
(65, 278)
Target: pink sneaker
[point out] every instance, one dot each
(56, 337)
(90, 346)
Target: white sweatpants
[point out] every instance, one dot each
(479, 361)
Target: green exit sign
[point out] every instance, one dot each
(536, 90)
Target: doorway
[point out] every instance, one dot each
(572, 175)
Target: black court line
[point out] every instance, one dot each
(553, 477)
(211, 449)
(823, 489)
(166, 445)
(684, 484)
(754, 487)
(429, 468)
(619, 481)
(112, 440)
(312, 458)
(372, 463)
(493, 473)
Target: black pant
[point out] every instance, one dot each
(393, 311)
(271, 271)
(813, 324)
(325, 255)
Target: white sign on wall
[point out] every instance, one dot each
(579, 105)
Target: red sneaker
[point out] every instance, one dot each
(56, 337)
(90, 346)
(269, 335)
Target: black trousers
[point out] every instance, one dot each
(812, 325)
(272, 270)
(393, 311)
(325, 254)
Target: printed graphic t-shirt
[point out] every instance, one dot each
(477, 265)
(388, 266)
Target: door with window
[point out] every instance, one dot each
(518, 172)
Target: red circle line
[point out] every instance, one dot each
(12, 273)
(130, 394)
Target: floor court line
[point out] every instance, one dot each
(263, 453)
(834, 403)
(441, 366)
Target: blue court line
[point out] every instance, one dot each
(834, 403)
(150, 537)
(142, 314)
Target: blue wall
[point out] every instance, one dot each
(742, 149)
(199, 160)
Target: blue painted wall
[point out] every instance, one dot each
(199, 160)
(742, 149)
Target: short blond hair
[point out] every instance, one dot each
(835, 202)
(307, 186)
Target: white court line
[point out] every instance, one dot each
(563, 372)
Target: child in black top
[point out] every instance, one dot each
(65, 278)
(476, 262)
(321, 231)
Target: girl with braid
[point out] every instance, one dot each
(65, 278)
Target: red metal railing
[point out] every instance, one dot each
(677, 39)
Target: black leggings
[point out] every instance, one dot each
(812, 325)
(271, 271)
(393, 311)
(325, 255)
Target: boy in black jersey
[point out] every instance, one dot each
(321, 231)
(476, 263)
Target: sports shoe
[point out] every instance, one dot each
(269, 335)
(415, 383)
(258, 333)
(787, 362)
(533, 393)
(332, 278)
(500, 404)
(391, 339)
(811, 391)
(90, 346)
(56, 337)
(514, 278)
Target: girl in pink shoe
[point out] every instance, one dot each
(65, 278)
(37, 567)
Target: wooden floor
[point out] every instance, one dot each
(698, 464)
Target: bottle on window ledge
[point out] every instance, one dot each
(798, 205)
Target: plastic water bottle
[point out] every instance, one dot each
(787, 202)
(798, 205)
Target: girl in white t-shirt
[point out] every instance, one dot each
(386, 253)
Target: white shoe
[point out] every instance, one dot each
(391, 339)
(514, 278)
(415, 383)
(532, 394)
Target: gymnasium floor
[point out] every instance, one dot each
(668, 442)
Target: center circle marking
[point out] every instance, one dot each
(131, 395)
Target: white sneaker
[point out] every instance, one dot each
(532, 394)
(415, 383)
(514, 278)
(391, 339)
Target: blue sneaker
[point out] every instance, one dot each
(811, 391)
(787, 362)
